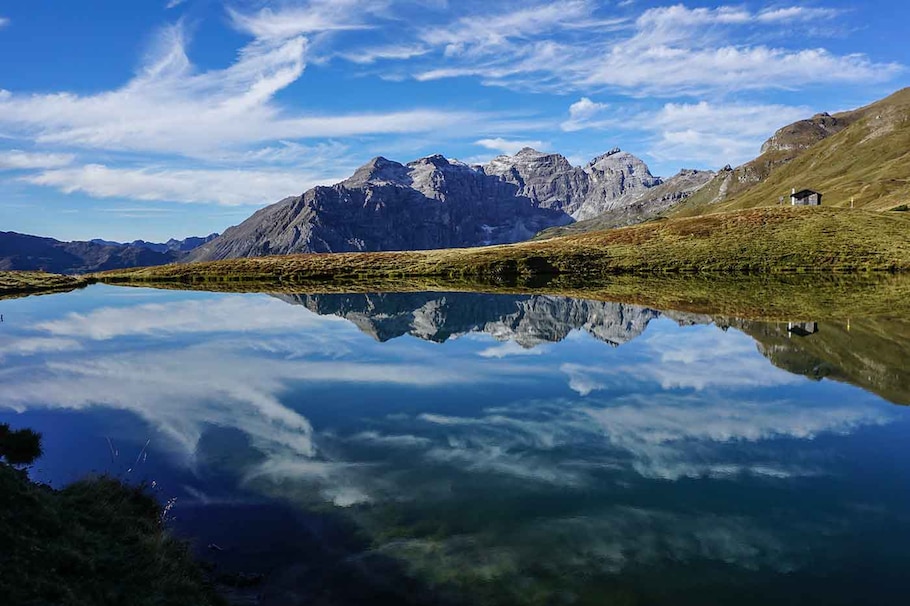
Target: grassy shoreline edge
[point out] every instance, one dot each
(775, 263)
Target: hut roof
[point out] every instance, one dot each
(805, 193)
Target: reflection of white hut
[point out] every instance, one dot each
(802, 329)
(806, 197)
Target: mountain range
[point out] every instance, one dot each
(435, 202)
(185, 245)
(859, 157)
(25, 252)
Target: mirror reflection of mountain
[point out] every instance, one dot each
(528, 320)
(870, 353)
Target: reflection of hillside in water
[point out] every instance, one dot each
(873, 354)
(870, 353)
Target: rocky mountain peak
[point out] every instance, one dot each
(528, 151)
(437, 160)
(803, 134)
(379, 170)
(527, 157)
(436, 202)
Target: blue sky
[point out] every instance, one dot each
(153, 119)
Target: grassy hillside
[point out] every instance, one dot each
(868, 160)
(752, 241)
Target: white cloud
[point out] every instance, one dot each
(227, 187)
(666, 51)
(367, 56)
(307, 18)
(169, 107)
(173, 4)
(660, 435)
(583, 114)
(4, 21)
(26, 346)
(796, 13)
(508, 146)
(582, 379)
(17, 160)
(716, 134)
(702, 360)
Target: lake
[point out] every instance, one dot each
(448, 448)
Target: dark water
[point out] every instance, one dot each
(479, 449)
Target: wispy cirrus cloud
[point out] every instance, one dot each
(226, 187)
(664, 51)
(171, 110)
(226, 134)
(17, 160)
(306, 18)
(371, 55)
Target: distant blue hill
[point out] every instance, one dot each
(26, 252)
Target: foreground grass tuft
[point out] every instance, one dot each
(96, 542)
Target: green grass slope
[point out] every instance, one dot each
(769, 240)
(868, 160)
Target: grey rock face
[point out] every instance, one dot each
(612, 180)
(803, 134)
(435, 202)
(647, 205)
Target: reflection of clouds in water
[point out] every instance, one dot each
(582, 378)
(511, 348)
(27, 346)
(607, 542)
(662, 436)
(336, 482)
(239, 313)
(701, 359)
(234, 375)
(181, 391)
(234, 380)
(246, 354)
(402, 441)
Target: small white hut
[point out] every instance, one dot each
(806, 197)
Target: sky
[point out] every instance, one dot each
(154, 119)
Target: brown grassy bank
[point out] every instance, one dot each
(755, 241)
(21, 283)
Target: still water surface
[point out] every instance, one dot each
(484, 449)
